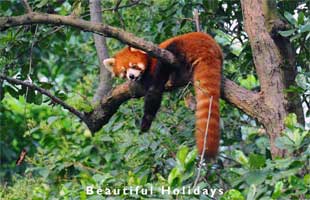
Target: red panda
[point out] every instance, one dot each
(201, 59)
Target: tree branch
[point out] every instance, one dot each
(108, 31)
(242, 98)
(248, 101)
(110, 104)
(26, 6)
(46, 93)
(105, 83)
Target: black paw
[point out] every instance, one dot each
(146, 123)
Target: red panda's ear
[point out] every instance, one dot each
(109, 64)
(134, 49)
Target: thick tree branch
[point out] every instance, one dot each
(46, 93)
(108, 31)
(245, 100)
(110, 104)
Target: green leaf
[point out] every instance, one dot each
(174, 178)
(256, 161)
(106, 138)
(255, 177)
(1, 92)
(12, 91)
(297, 36)
(52, 119)
(99, 179)
(283, 163)
(249, 82)
(305, 28)
(38, 99)
(46, 85)
(232, 194)
(278, 188)
(290, 18)
(181, 155)
(190, 158)
(44, 172)
(307, 180)
(301, 18)
(287, 33)
(284, 143)
(251, 193)
(240, 157)
(61, 95)
(291, 120)
(42, 3)
(30, 96)
(118, 126)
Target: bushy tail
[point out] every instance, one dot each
(207, 80)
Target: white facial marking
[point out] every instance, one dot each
(141, 66)
(109, 64)
(133, 74)
(134, 49)
(122, 75)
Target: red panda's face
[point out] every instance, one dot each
(129, 63)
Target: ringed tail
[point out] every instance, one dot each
(207, 80)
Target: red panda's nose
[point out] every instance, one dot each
(131, 76)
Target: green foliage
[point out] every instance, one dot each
(63, 157)
(184, 167)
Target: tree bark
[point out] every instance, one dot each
(105, 81)
(274, 23)
(274, 71)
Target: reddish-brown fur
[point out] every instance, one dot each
(204, 57)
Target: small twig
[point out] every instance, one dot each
(228, 158)
(26, 6)
(46, 93)
(78, 164)
(118, 7)
(118, 3)
(196, 19)
(182, 93)
(204, 143)
(121, 20)
(21, 157)
(115, 9)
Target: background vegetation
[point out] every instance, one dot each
(63, 157)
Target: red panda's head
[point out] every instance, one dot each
(128, 63)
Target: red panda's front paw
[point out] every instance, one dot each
(146, 122)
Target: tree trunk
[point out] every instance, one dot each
(274, 60)
(105, 81)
